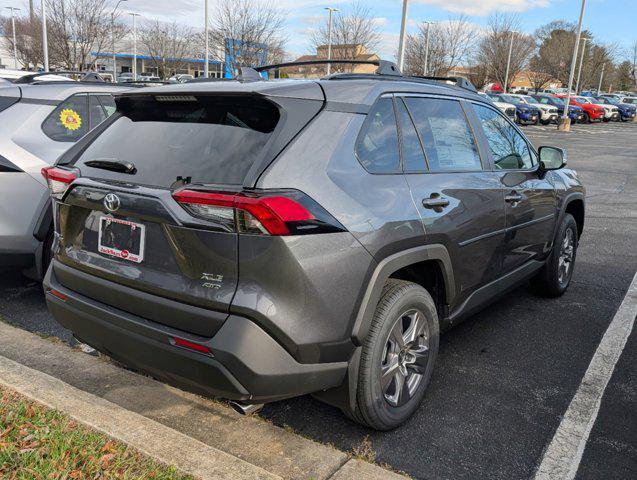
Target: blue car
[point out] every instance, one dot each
(575, 113)
(627, 111)
(525, 114)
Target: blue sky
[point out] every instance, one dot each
(609, 20)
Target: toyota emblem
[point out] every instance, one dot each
(111, 202)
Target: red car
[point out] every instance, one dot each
(592, 113)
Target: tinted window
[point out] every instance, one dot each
(377, 146)
(69, 121)
(6, 102)
(212, 139)
(509, 150)
(96, 111)
(108, 103)
(413, 156)
(444, 130)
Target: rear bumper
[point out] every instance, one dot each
(246, 364)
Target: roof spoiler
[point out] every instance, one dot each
(384, 67)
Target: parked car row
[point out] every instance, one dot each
(546, 108)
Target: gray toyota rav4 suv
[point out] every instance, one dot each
(261, 239)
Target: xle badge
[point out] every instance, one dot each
(211, 280)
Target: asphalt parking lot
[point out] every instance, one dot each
(505, 377)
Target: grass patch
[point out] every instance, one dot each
(364, 451)
(40, 444)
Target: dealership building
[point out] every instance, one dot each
(147, 64)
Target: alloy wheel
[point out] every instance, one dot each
(405, 357)
(565, 260)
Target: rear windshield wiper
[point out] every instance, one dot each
(113, 165)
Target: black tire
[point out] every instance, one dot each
(587, 118)
(551, 281)
(398, 299)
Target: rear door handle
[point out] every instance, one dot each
(435, 201)
(513, 197)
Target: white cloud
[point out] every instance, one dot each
(485, 7)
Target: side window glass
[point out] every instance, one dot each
(413, 156)
(509, 149)
(96, 112)
(108, 103)
(69, 121)
(445, 133)
(377, 146)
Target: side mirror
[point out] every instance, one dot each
(552, 158)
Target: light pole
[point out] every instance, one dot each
(403, 34)
(601, 76)
(15, 45)
(426, 67)
(206, 67)
(506, 76)
(45, 41)
(329, 37)
(134, 15)
(578, 88)
(113, 39)
(565, 124)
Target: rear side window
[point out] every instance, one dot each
(69, 121)
(210, 138)
(445, 133)
(6, 102)
(377, 145)
(96, 112)
(413, 156)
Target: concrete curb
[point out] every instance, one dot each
(147, 436)
(111, 399)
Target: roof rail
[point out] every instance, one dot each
(384, 67)
(33, 77)
(458, 81)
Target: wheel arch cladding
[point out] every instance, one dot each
(388, 267)
(575, 207)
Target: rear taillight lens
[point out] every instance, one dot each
(263, 213)
(58, 180)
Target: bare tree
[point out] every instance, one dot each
(494, 48)
(478, 74)
(538, 76)
(355, 30)
(75, 27)
(248, 33)
(633, 54)
(595, 56)
(168, 45)
(28, 40)
(450, 44)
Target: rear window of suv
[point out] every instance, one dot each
(210, 138)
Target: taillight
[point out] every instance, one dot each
(58, 180)
(263, 213)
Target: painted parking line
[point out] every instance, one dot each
(562, 457)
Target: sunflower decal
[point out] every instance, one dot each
(70, 119)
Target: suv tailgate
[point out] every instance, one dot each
(150, 256)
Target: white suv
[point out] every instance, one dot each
(39, 122)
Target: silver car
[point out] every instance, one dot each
(39, 122)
